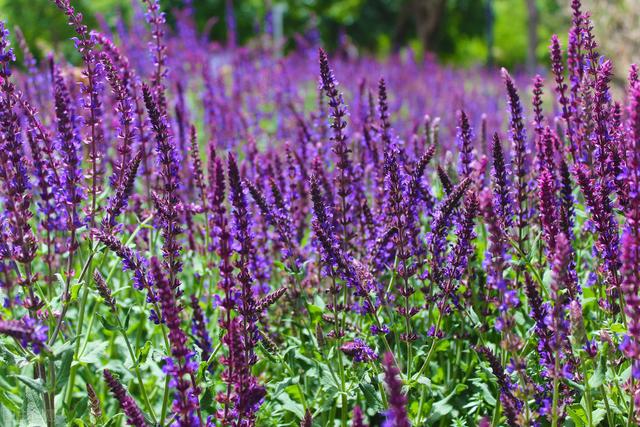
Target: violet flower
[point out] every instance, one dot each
(199, 329)
(118, 201)
(70, 150)
(510, 404)
(131, 409)
(561, 89)
(22, 242)
(127, 131)
(180, 365)
(249, 393)
(500, 185)
(359, 351)
(92, 93)
(167, 202)
(519, 139)
(465, 145)
(344, 165)
(630, 253)
(357, 420)
(396, 415)
(28, 331)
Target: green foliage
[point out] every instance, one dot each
(372, 25)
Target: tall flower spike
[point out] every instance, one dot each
(396, 415)
(249, 393)
(465, 144)
(602, 99)
(180, 365)
(104, 291)
(118, 201)
(548, 208)
(511, 405)
(538, 116)
(69, 148)
(437, 239)
(124, 107)
(199, 329)
(607, 244)
(519, 139)
(92, 93)
(13, 172)
(167, 202)
(344, 175)
(128, 405)
(630, 253)
(94, 403)
(561, 89)
(156, 18)
(196, 164)
(458, 258)
(501, 185)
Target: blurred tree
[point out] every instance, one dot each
(617, 31)
(532, 34)
(459, 31)
(45, 27)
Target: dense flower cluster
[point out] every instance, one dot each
(329, 257)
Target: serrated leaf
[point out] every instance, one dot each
(441, 408)
(143, 352)
(95, 352)
(106, 324)
(597, 379)
(618, 328)
(598, 416)
(371, 397)
(35, 385)
(9, 404)
(32, 412)
(291, 406)
(577, 415)
(63, 374)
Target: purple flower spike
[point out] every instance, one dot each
(128, 405)
(180, 365)
(396, 415)
(465, 144)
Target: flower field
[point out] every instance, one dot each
(195, 234)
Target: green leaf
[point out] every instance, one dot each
(577, 415)
(441, 408)
(597, 379)
(143, 352)
(291, 406)
(106, 324)
(32, 413)
(63, 374)
(35, 385)
(618, 328)
(371, 397)
(95, 352)
(598, 415)
(8, 403)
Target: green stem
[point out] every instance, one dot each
(554, 409)
(606, 404)
(587, 394)
(136, 367)
(630, 417)
(433, 345)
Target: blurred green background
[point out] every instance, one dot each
(508, 33)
